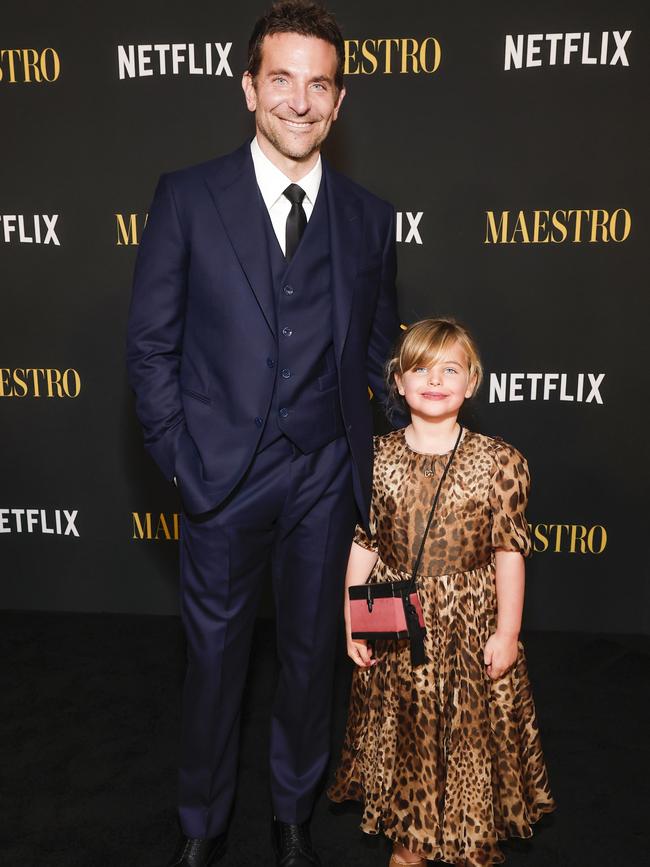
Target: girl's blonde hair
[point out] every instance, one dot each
(424, 343)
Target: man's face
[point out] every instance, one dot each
(294, 96)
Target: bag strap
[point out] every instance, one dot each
(436, 497)
(415, 631)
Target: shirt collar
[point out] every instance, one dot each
(272, 182)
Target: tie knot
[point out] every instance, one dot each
(295, 194)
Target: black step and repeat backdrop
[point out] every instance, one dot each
(512, 139)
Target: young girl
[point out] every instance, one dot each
(445, 755)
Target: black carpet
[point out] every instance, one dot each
(90, 720)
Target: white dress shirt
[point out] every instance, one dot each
(272, 183)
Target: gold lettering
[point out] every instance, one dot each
(27, 64)
(56, 65)
(437, 54)
(538, 226)
(603, 539)
(367, 53)
(520, 226)
(162, 524)
(626, 226)
(578, 538)
(34, 372)
(140, 532)
(540, 537)
(599, 224)
(5, 383)
(66, 382)
(126, 236)
(578, 224)
(53, 377)
(388, 56)
(10, 56)
(350, 56)
(412, 54)
(20, 382)
(558, 535)
(557, 225)
(501, 229)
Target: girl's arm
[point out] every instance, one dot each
(361, 562)
(502, 647)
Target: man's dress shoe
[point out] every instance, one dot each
(292, 845)
(198, 853)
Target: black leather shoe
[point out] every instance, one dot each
(198, 853)
(292, 845)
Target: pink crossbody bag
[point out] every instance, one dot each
(392, 609)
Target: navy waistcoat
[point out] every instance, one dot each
(305, 406)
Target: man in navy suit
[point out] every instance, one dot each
(263, 307)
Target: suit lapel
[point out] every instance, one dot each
(237, 199)
(346, 224)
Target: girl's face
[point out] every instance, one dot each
(437, 390)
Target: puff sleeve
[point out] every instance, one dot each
(509, 489)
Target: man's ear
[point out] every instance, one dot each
(340, 99)
(248, 86)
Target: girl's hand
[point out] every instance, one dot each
(360, 653)
(500, 653)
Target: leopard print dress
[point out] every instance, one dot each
(446, 761)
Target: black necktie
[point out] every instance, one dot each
(296, 221)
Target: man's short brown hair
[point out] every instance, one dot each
(297, 16)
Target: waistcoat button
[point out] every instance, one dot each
(287, 331)
(288, 290)
(286, 373)
(284, 412)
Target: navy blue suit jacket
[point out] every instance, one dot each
(202, 324)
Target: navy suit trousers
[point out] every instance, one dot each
(291, 516)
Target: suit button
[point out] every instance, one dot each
(284, 412)
(270, 362)
(288, 290)
(259, 421)
(286, 373)
(287, 331)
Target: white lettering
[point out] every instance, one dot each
(70, 518)
(594, 382)
(223, 51)
(550, 384)
(9, 220)
(414, 220)
(162, 49)
(514, 53)
(585, 50)
(534, 49)
(563, 391)
(569, 46)
(178, 56)
(50, 223)
(620, 48)
(126, 62)
(144, 60)
(498, 386)
(534, 379)
(515, 386)
(553, 38)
